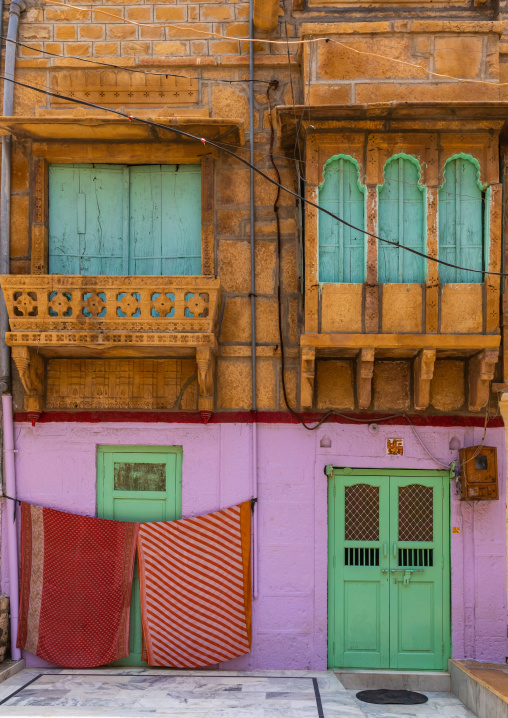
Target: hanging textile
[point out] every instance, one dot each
(195, 588)
(76, 579)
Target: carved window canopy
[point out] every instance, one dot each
(90, 128)
(111, 317)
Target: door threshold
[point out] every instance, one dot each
(375, 679)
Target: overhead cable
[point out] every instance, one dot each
(128, 69)
(211, 143)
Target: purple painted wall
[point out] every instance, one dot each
(56, 467)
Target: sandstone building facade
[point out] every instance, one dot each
(131, 303)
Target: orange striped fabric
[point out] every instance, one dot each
(195, 588)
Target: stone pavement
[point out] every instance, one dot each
(200, 694)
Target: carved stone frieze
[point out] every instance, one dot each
(51, 303)
(30, 365)
(481, 373)
(423, 373)
(364, 372)
(131, 329)
(118, 88)
(205, 362)
(121, 384)
(308, 375)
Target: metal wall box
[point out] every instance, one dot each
(478, 477)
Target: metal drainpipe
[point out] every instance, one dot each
(254, 457)
(15, 9)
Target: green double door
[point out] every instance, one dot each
(388, 573)
(138, 483)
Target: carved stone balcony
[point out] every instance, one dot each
(109, 316)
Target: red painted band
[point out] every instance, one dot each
(247, 417)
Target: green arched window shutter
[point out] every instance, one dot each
(461, 221)
(401, 215)
(341, 249)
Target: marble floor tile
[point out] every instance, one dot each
(140, 692)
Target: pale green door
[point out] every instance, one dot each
(138, 483)
(388, 589)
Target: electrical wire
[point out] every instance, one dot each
(280, 187)
(204, 79)
(300, 41)
(212, 143)
(128, 69)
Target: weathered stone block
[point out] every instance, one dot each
(339, 62)
(402, 308)
(265, 384)
(234, 265)
(341, 308)
(335, 384)
(447, 389)
(229, 103)
(234, 378)
(267, 321)
(461, 308)
(19, 225)
(458, 56)
(236, 322)
(330, 94)
(370, 92)
(392, 385)
(19, 175)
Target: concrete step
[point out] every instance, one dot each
(9, 668)
(482, 687)
(433, 681)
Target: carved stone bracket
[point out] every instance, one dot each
(308, 374)
(31, 369)
(364, 372)
(423, 373)
(205, 361)
(481, 373)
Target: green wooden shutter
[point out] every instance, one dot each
(165, 220)
(341, 249)
(401, 218)
(86, 219)
(460, 209)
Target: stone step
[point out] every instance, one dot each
(482, 687)
(355, 679)
(9, 668)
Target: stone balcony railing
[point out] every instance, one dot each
(110, 316)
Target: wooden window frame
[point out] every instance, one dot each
(433, 146)
(60, 154)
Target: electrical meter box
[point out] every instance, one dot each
(478, 473)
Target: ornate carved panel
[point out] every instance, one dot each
(113, 88)
(121, 384)
(79, 302)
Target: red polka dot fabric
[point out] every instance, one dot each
(76, 580)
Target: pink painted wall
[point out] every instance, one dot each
(56, 467)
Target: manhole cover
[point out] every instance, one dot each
(384, 696)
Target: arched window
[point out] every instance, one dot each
(401, 215)
(342, 249)
(461, 220)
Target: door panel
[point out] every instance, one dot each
(416, 599)
(388, 571)
(119, 220)
(138, 484)
(358, 553)
(85, 235)
(165, 220)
